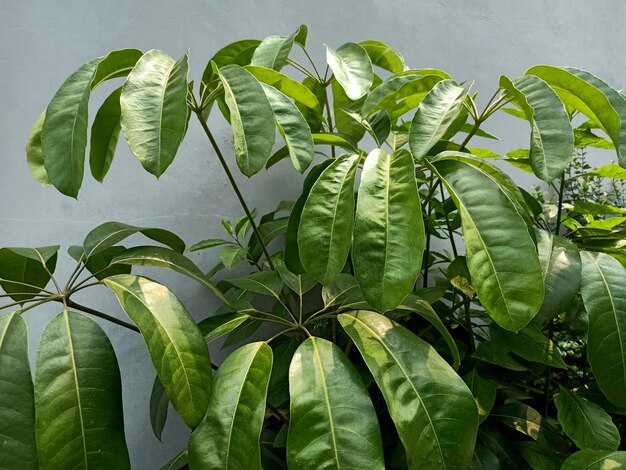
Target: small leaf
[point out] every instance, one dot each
(325, 231)
(529, 344)
(219, 325)
(154, 109)
(17, 401)
(432, 408)
(401, 91)
(176, 346)
(32, 266)
(383, 56)
(352, 68)
(520, 417)
(34, 153)
(237, 53)
(229, 434)
(587, 424)
(78, 397)
(105, 132)
(251, 117)
(274, 51)
(595, 460)
(434, 115)
(159, 404)
(331, 414)
(484, 392)
(231, 255)
(266, 283)
(208, 243)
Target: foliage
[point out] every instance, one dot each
(381, 350)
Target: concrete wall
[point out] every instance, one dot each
(41, 43)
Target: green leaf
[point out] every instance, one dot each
(383, 56)
(434, 115)
(238, 53)
(111, 233)
(292, 255)
(100, 264)
(609, 171)
(501, 253)
(265, 283)
(32, 266)
(579, 90)
(560, 263)
(274, 51)
(520, 417)
(343, 292)
(64, 131)
(154, 109)
(219, 325)
(231, 255)
(287, 85)
(432, 408)
(529, 344)
(105, 132)
(293, 128)
(484, 392)
(251, 118)
(228, 437)
(159, 404)
(116, 64)
(508, 457)
(336, 140)
(552, 138)
(352, 69)
(278, 389)
(343, 107)
(422, 308)
(78, 397)
(603, 290)
(325, 230)
(17, 401)
(177, 463)
(595, 460)
(34, 152)
(593, 208)
(208, 243)
(389, 234)
(587, 424)
(177, 348)
(333, 423)
(398, 91)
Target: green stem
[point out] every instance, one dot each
(560, 206)
(17, 283)
(233, 184)
(329, 118)
(301, 68)
(71, 304)
(450, 232)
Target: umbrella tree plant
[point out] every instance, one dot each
(380, 350)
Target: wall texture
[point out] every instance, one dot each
(41, 43)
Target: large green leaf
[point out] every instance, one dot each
(64, 132)
(219, 325)
(551, 138)
(434, 115)
(238, 53)
(603, 290)
(273, 51)
(154, 109)
(408, 87)
(18, 447)
(105, 132)
(295, 90)
(34, 152)
(383, 56)
(111, 233)
(228, 437)
(161, 257)
(484, 392)
(24, 272)
(78, 397)
(115, 64)
(579, 90)
(265, 282)
(587, 424)
(529, 344)
(176, 346)
(292, 255)
(352, 69)
(560, 263)
(432, 408)
(325, 230)
(343, 111)
(293, 128)
(278, 389)
(333, 423)
(501, 253)
(389, 234)
(100, 264)
(595, 460)
(251, 118)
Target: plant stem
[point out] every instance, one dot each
(96, 313)
(560, 206)
(329, 118)
(450, 232)
(17, 283)
(546, 390)
(301, 68)
(233, 183)
(312, 63)
(468, 320)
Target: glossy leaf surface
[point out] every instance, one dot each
(325, 231)
(154, 109)
(176, 346)
(389, 234)
(501, 254)
(352, 68)
(432, 408)
(18, 448)
(78, 397)
(595, 460)
(228, 437)
(603, 290)
(24, 272)
(333, 422)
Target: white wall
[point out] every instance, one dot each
(42, 42)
